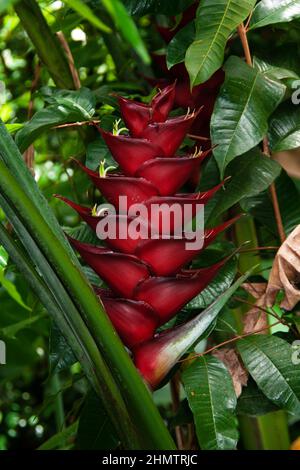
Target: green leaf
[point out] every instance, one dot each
(85, 11)
(269, 361)
(83, 233)
(61, 439)
(252, 173)
(66, 107)
(226, 326)
(253, 402)
(12, 290)
(3, 257)
(12, 128)
(240, 118)
(163, 7)
(127, 27)
(95, 431)
(284, 128)
(61, 356)
(12, 330)
(217, 287)
(274, 11)
(179, 44)
(96, 152)
(212, 399)
(289, 203)
(272, 71)
(215, 21)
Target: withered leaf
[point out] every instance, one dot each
(235, 367)
(285, 273)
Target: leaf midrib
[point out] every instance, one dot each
(215, 36)
(259, 350)
(240, 117)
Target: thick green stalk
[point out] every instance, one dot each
(46, 44)
(59, 411)
(269, 431)
(145, 414)
(71, 326)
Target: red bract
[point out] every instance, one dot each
(137, 116)
(148, 274)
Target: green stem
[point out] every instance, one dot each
(71, 326)
(267, 432)
(58, 404)
(145, 414)
(46, 44)
(270, 431)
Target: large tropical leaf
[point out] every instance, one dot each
(252, 173)
(284, 128)
(215, 22)
(240, 117)
(68, 106)
(179, 44)
(274, 11)
(212, 399)
(217, 287)
(269, 361)
(274, 72)
(253, 402)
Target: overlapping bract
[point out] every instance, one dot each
(148, 279)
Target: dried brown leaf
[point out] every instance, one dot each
(256, 289)
(285, 273)
(254, 320)
(235, 367)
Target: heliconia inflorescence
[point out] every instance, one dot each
(149, 280)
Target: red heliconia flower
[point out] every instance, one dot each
(129, 152)
(137, 116)
(167, 256)
(84, 212)
(110, 266)
(135, 321)
(148, 274)
(167, 295)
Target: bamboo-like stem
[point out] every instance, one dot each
(46, 44)
(140, 402)
(72, 328)
(244, 40)
(58, 402)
